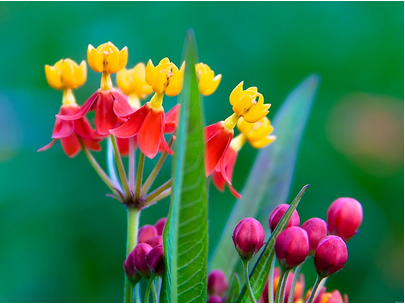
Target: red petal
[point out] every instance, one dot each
(84, 129)
(171, 119)
(47, 146)
(123, 146)
(121, 105)
(228, 164)
(234, 192)
(218, 180)
(62, 128)
(132, 126)
(106, 119)
(70, 145)
(218, 142)
(83, 109)
(92, 145)
(150, 134)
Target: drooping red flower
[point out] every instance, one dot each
(222, 177)
(109, 106)
(69, 131)
(148, 122)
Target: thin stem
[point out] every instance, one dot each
(153, 195)
(249, 288)
(152, 176)
(150, 283)
(111, 166)
(282, 292)
(139, 173)
(161, 196)
(131, 164)
(120, 167)
(96, 166)
(314, 289)
(132, 236)
(154, 293)
(292, 290)
(137, 293)
(271, 279)
(280, 282)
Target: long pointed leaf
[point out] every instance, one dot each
(186, 231)
(270, 179)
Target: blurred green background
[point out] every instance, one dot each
(62, 240)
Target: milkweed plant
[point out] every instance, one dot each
(171, 255)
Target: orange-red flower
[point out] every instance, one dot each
(218, 176)
(68, 133)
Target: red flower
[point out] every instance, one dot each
(218, 176)
(148, 122)
(108, 104)
(68, 132)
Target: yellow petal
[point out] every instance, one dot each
(113, 61)
(236, 93)
(244, 126)
(95, 59)
(68, 78)
(123, 58)
(259, 133)
(150, 73)
(263, 142)
(53, 77)
(81, 74)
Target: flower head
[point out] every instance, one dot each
(146, 233)
(165, 77)
(217, 283)
(248, 237)
(316, 229)
(258, 133)
(278, 213)
(140, 263)
(129, 268)
(248, 103)
(66, 74)
(330, 255)
(207, 81)
(292, 247)
(155, 260)
(107, 58)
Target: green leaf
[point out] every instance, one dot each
(269, 181)
(186, 233)
(234, 289)
(260, 271)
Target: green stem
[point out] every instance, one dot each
(150, 283)
(120, 167)
(131, 164)
(139, 173)
(96, 166)
(282, 292)
(249, 288)
(132, 236)
(156, 194)
(280, 282)
(151, 178)
(137, 293)
(292, 290)
(154, 293)
(271, 279)
(314, 289)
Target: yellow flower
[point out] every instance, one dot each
(107, 58)
(207, 83)
(133, 81)
(257, 134)
(165, 77)
(245, 104)
(66, 74)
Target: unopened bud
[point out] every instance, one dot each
(129, 268)
(292, 247)
(140, 252)
(214, 299)
(278, 213)
(316, 230)
(160, 225)
(157, 240)
(248, 237)
(155, 260)
(344, 217)
(330, 256)
(217, 283)
(146, 233)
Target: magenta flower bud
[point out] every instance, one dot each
(155, 260)
(344, 217)
(214, 299)
(316, 230)
(330, 256)
(129, 268)
(278, 213)
(292, 247)
(248, 237)
(160, 225)
(146, 233)
(140, 252)
(157, 240)
(217, 283)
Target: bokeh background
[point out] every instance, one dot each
(62, 240)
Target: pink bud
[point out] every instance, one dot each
(292, 247)
(316, 230)
(146, 233)
(129, 268)
(332, 297)
(157, 240)
(344, 217)
(155, 260)
(214, 299)
(217, 283)
(248, 237)
(278, 213)
(140, 252)
(330, 256)
(160, 225)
